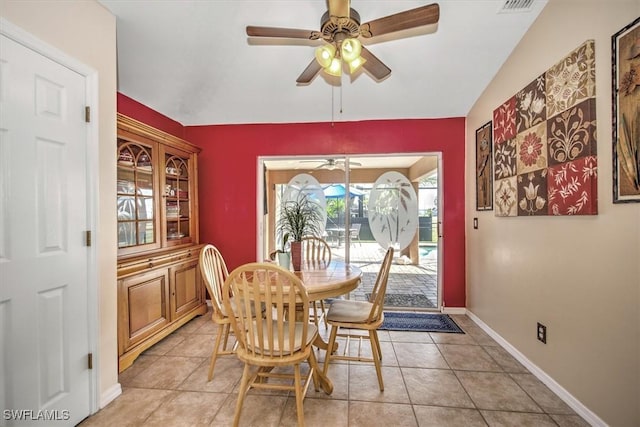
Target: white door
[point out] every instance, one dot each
(44, 336)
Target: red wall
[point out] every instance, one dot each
(228, 174)
(132, 108)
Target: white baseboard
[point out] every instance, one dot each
(454, 310)
(110, 394)
(567, 397)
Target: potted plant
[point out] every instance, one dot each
(298, 218)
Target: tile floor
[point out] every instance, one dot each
(431, 379)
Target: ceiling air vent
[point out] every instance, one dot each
(512, 6)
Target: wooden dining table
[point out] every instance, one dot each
(328, 279)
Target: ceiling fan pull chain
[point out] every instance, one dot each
(332, 105)
(340, 95)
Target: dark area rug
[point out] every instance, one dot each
(419, 322)
(406, 300)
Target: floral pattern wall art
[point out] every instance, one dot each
(484, 169)
(545, 142)
(625, 46)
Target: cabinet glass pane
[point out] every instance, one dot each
(145, 208)
(176, 188)
(144, 182)
(145, 231)
(135, 192)
(126, 187)
(184, 227)
(126, 234)
(126, 208)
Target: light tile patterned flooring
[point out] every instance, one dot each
(431, 379)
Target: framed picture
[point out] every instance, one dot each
(625, 55)
(484, 168)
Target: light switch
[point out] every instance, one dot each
(475, 223)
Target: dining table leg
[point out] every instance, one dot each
(325, 383)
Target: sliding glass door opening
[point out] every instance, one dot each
(369, 202)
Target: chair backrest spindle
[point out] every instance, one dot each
(380, 287)
(315, 249)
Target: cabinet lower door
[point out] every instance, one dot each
(186, 289)
(144, 310)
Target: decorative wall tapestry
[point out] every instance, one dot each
(625, 55)
(545, 142)
(484, 169)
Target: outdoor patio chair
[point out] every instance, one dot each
(354, 233)
(360, 315)
(214, 272)
(279, 337)
(315, 249)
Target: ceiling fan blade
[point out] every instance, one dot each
(373, 65)
(290, 33)
(425, 15)
(309, 73)
(339, 8)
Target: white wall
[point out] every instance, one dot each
(580, 276)
(86, 31)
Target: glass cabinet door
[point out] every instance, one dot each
(135, 195)
(177, 192)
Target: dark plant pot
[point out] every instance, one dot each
(296, 255)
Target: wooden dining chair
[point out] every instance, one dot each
(277, 337)
(360, 315)
(214, 272)
(315, 249)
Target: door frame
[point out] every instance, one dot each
(90, 75)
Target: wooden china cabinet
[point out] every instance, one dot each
(159, 283)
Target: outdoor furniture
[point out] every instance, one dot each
(214, 272)
(277, 337)
(338, 235)
(316, 249)
(334, 235)
(354, 233)
(360, 315)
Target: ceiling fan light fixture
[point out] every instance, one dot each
(325, 55)
(356, 64)
(350, 49)
(335, 68)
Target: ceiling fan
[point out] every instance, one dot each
(341, 29)
(331, 164)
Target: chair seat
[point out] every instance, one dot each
(349, 311)
(312, 330)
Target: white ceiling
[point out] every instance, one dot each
(192, 61)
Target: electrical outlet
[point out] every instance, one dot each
(542, 333)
